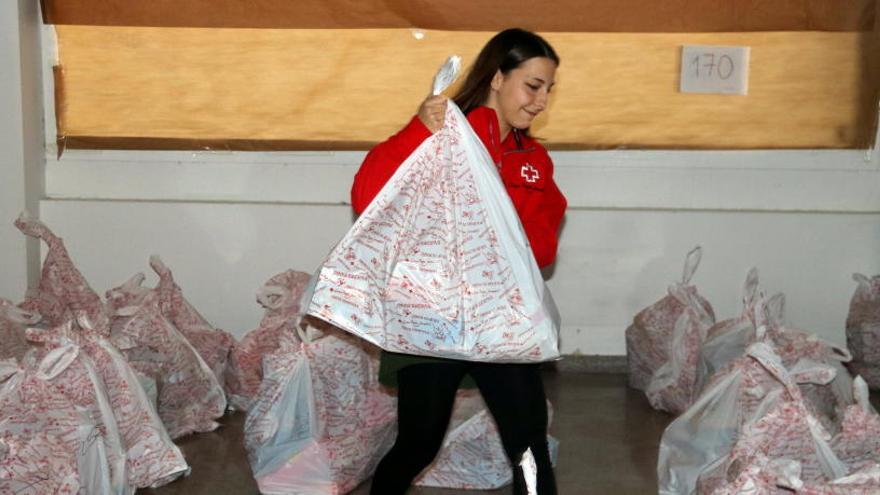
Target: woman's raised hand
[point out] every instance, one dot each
(432, 112)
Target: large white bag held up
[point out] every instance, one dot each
(439, 265)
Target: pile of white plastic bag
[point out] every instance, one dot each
(762, 407)
(753, 428)
(91, 394)
(320, 421)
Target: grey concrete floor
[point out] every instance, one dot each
(608, 444)
(608, 435)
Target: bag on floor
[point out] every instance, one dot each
(785, 428)
(46, 444)
(696, 444)
(13, 322)
(71, 373)
(189, 396)
(649, 338)
(827, 401)
(857, 442)
(153, 459)
(788, 449)
(764, 476)
(672, 388)
(280, 296)
(321, 423)
(212, 344)
(439, 265)
(61, 289)
(863, 329)
(472, 457)
(728, 339)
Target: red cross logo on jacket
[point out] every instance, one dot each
(529, 173)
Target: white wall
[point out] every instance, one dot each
(225, 222)
(21, 140)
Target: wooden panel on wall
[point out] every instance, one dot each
(485, 15)
(189, 88)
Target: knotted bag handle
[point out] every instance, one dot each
(691, 262)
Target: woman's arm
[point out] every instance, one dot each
(542, 224)
(382, 161)
(541, 210)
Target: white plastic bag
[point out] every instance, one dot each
(698, 444)
(863, 329)
(728, 339)
(47, 444)
(321, 423)
(827, 401)
(71, 373)
(439, 265)
(13, 321)
(152, 458)
(189, 396)
(212, 344)
(281, 296)
(649, 338)
(472, 456)
(672, 388)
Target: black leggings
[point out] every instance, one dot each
(514, 395)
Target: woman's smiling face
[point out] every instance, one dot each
(522, 94)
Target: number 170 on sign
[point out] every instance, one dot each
(715, 69)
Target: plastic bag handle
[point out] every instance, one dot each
(56, 361)
(55, 335)
(302, 333)
(21, 316)
(809, 371)
(134, 282)
(266, 299)
(861, 393)
(691, 262)
(786, 473)
(158, 265)
(750, 287)
(8, 368)
(679, 292)
(446, 74)
(775, 310)
(862, 280)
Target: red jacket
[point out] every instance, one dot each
(525, 168)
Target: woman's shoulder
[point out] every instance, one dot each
(482, 117)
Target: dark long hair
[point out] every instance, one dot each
(505, 52)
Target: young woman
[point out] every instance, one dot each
(507, 87)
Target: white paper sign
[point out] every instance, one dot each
(715, 69)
